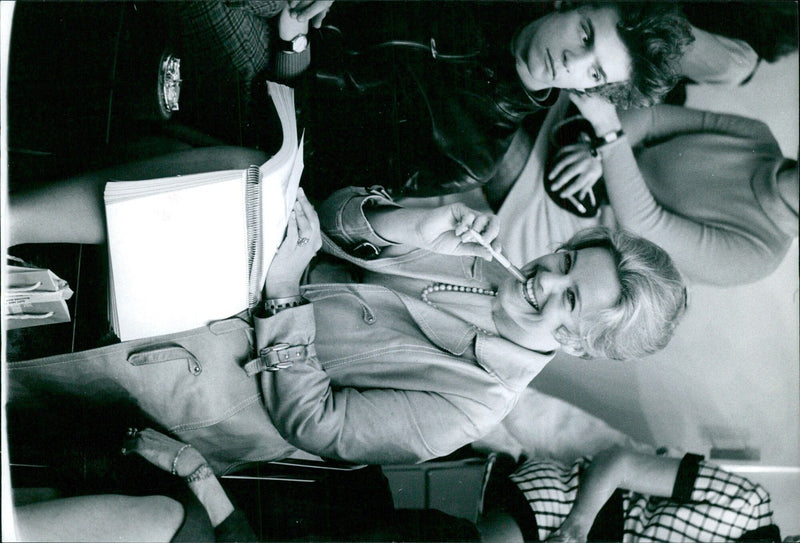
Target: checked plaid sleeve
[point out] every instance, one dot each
(708, 504)
(225, 38)
(550, 489)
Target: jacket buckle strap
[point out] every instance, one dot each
(277, 357)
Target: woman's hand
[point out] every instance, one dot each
(163, 451)
(446, 230)
(300, 244)
(569, 533)
(451, 229)
(182, 460)
(598, 111)
(313, 11)
(577, 169)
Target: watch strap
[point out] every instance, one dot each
(298, 44)
(605, 139)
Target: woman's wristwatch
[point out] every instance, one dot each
(605, 139)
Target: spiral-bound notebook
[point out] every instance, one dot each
(187, 250)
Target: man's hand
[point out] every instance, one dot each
(313, 11)
(568, 534)
(574, 529)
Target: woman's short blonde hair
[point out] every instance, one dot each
(652, 298)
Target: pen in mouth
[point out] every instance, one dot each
(511, 268)
(502, 260)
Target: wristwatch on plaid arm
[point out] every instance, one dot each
(298, 44)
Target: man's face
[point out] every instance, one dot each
(577, 49)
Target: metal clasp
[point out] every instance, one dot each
(276, 361)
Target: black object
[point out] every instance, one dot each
(572, 129)
(416, 103)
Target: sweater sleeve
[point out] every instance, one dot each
(645, 125)
(714, 485)
(707, 504)
(718, 60)
(748, 505)
(700, 250)
(284, 66)
(686, 477)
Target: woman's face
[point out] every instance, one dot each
(577, 49)
(561, 288)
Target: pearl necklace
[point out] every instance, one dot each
(439, 287)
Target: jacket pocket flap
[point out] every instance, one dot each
(160, 354)
(228, 325)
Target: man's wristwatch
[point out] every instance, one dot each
(298, 44)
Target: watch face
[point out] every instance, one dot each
(299, 43)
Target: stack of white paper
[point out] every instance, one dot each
(179, 246)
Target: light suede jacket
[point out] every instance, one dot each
(377, 375)
(396, 380)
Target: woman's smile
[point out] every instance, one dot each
(560, 289)
(529, 291)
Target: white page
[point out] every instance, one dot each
(160, 228)
(189, 229)
(280, 176)
(277, 200)
(124, 190)
(293, 181)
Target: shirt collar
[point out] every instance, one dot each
(516, 366)
(512, 364)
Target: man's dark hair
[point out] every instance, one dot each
(656, 35)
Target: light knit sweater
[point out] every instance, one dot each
(703, 186)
